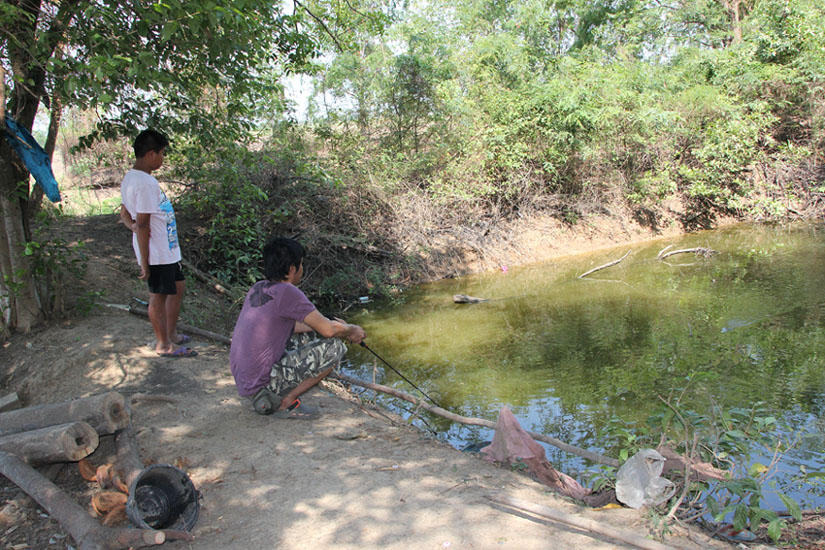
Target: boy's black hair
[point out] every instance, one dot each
(149, 140)
(280, 254)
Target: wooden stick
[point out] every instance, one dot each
(214, 283)
(83, 528)
(63, 443)
(608, 264)
(105, 412)
(593, 457)
(581, 523)
(186, 328)
(697, 251)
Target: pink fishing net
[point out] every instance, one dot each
(512, 444)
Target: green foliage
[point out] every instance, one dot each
(54, 262)
(233, 210)
(726, 440)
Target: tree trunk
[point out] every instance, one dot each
(105, 413)
(83, 528)
(63, 443)
(18, 295)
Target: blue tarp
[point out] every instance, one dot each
(36, 159)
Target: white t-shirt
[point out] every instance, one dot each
(140, 193)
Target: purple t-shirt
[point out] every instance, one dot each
(264, 326)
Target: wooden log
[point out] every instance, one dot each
(593, 457)
(62, 443)
(465, 299)
(213, 282)
(128, 464)
(581, 523)
(84, 529)
(10, 513)
(187, 328)
(106, 413)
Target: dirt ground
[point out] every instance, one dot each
(357, 478)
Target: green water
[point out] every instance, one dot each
(567, 355)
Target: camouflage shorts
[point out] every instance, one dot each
(307, 355)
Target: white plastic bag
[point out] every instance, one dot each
(639, 482)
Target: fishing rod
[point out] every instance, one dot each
(364, 344)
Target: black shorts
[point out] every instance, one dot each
(163, 278)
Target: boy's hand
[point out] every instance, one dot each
(144, 272)
(355, 334)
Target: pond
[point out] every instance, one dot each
(739, 329)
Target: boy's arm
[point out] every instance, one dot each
(142, 229)
(331, 329)
(126, 219)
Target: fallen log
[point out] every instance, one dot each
(581, 523)
(186, 328)
(128, 464)
(593, 457)
(605, 266)
(10, 513)
(62, 443)
(214, 283)
(105, 413)
(465, 299)
(84, 529)
(698, 251)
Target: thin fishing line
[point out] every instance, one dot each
(401, 375)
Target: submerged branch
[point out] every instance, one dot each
(698, 251)
(605, 266)
(593, 457)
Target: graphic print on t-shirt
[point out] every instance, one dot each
(171, 225)
(258, 296)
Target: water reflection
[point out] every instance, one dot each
(568, 355)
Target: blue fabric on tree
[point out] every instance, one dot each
(35, 158)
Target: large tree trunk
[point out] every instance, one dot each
(19, 301)
(20, 304)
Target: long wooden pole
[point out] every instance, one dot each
(581, 523)
(186, 328)
(593, 457)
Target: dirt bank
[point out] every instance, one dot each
(356, 478)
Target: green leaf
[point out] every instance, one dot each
(713, 506)
(740, 516)
(724, 512)
(775, 529)
(169, 29)
(792, 506)
(756, 469)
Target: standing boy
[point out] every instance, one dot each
(282, 346)
(149, 214)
